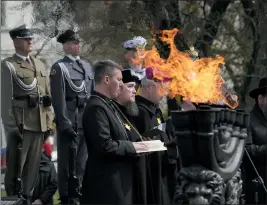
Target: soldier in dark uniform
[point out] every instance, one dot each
(257, 147)
(71, 85)
(161, 166)
(25, 111)
(108, 177)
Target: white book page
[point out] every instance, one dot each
(153, 146)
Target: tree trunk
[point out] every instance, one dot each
(256, 67)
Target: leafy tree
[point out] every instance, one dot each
(229, 28)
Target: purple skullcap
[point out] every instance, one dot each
(149, 75)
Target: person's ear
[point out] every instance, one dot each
(260, 99)
(149, 89)
(106, 79)
(65, 46)
(127, 55)
(16, 42)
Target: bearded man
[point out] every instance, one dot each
(128, 109)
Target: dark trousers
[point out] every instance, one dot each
(254, 194)
(63, 145)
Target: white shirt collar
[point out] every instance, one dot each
(22, 57)
(139, 73)
(73, 58)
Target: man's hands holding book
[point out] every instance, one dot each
(149, 146)
(140, 147)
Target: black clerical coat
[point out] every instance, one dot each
(160, 172)
(257, 149)
(108, 175)
(139, 168)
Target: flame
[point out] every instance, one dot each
(196, 80)
(139, 56)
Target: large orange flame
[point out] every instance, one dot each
(196, 80)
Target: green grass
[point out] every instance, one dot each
(55, 197)
(3, 193)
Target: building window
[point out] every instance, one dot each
(3, 13)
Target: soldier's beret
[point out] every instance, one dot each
(127, 76)
(21, 32)
(67, 36)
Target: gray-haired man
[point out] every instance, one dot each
(25, 111)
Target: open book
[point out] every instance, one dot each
(153, 146)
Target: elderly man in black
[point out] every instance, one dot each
(111, 155)
(161, 166)
(257, 146)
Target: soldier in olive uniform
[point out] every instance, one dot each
(71, 85)
(26, 111)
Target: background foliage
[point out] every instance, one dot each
(233, 29)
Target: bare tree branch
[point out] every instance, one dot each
(212, 25)
(254, 25)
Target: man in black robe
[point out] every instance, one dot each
(257, 147)
(128, 109)
(111, 154)
(161, 166)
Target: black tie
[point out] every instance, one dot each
(80, 64)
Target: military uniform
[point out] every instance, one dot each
(26, 114)
(71, 85)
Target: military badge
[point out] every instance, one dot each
(53, 72)
(159, 121)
